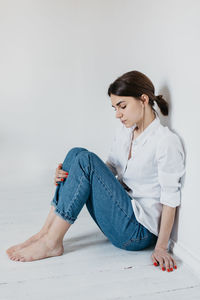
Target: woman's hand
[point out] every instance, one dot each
(60, 175)
(161, 256)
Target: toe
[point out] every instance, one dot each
(18, 256)
(17, 259)
(15, 255)
(12, 257)
(22, 259)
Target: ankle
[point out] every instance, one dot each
(52, 240)
(43, 231)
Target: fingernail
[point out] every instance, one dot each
(163, 268)
(67, 173)
(168, 270)
(171, 269)
(62, 179)
(175, 267)
(155, 264)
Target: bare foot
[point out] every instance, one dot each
(42, 248)
(28, 242)
(50, 218)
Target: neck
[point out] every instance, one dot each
(144, 122)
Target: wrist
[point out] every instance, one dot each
(161, 247)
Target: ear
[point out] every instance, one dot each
(145, 98)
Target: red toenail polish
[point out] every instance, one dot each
(168, 270)
(67, 173)
(175, 267)
(171, 269)
(163, 268)
(62, 179)
(155, 264)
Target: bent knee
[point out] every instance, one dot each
(72, 153)
(76, 150)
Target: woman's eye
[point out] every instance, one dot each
(123, 107)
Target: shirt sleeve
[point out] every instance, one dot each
(111, 159)
(171, 168)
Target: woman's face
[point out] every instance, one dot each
(128, 110)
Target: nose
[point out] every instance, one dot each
(118, 114)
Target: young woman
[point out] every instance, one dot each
(133, 196)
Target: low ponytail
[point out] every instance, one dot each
(162, 104)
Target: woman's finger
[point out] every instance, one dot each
(61, 178)
(158, 260)
(173, 264)
(161, 262)
(167, 263)
(154, 260)
(62, 173)
(59, 167)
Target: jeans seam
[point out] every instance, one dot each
(105, 186)
(135, 240)
(65, 214)
(76, 193)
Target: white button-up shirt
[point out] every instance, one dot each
(153, 173)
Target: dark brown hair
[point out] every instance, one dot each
(134, 84)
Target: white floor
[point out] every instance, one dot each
(91, 267)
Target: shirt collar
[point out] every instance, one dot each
(142, 138)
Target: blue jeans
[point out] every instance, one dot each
(91, 182)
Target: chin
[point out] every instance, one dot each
(128, 125)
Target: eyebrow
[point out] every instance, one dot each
(119, 103)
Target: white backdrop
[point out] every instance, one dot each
(57, 59)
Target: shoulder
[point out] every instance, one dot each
(168, 142)
(168, 137)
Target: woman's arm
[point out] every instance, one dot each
(170, 159)
(160, 254)
(167, 221)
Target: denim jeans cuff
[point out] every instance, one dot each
(64, 216)
(53, 203)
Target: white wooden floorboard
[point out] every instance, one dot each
(90, 268)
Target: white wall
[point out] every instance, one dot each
(57, 59)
